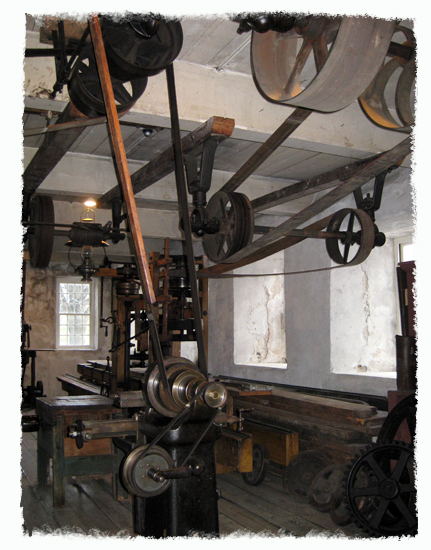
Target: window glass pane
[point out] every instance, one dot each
(407, 252)
(74, 311)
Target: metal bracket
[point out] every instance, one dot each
(199, 181)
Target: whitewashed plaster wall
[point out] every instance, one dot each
(340, 324)
(259, 322)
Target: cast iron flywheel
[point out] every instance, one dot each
(381, 492)
(234, 214)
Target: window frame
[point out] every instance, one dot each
(398, 243)
(94, 297)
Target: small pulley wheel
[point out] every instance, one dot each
(86, 93)
(41, 237)
(338, 511)
(140, 46)
(136, 467)
(323, 63)
(301, 471)
(380, 490)
(358, 240)
(234, 214)
(324, 486)
(260, 466)
(169, 401)
(389, 100)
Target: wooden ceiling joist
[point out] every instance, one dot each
(52, 150)
(217, 128)
(276, 239)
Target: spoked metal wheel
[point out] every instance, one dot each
(358, 240)
(325, 486)
(323, 64)
(404, 413)
(260, 466)
(234, 213)
(86, 93)
(380, 490)
(389, 99)
(301, 471)
(139, 46)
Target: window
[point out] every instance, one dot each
(76, 314)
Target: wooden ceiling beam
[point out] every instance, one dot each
(54, 147)
(217, 128)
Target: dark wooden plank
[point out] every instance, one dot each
(105, 485)
(29, 464)
(246, 519)
(307, 511)
(227, 526)
(34, 515)
(105, 502)
(258, 504)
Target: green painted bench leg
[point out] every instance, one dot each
(58, 464)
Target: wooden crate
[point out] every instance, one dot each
(282, 446)
(234, 452)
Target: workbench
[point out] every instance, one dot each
(98, 456)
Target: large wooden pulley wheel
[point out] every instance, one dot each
(41, 236)
(358, 240)
(389, 100)
(234, 214)
(323, 64)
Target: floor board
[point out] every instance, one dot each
(91, 509)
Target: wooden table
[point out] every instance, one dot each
(98, 456)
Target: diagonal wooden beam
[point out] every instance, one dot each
(309, 187)
(54, 147)
(261, 247)
(274, 141)
(121, 160)
(216, 127)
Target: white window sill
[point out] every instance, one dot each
(265, 365)
(384, 374)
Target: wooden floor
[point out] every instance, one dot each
(90, 508)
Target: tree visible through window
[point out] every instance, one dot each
(74, 314)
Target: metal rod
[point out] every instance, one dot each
(185, 215)
(266, 149)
